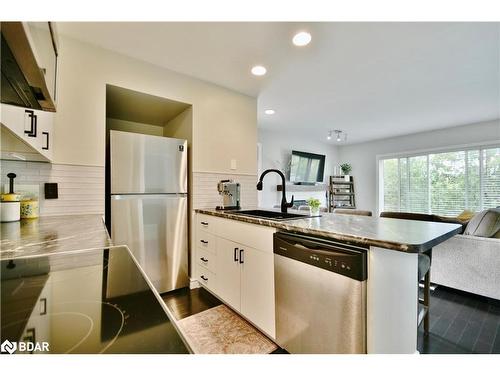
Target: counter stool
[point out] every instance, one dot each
(352, 212)
(424, 272)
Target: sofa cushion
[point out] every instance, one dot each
(485, 224)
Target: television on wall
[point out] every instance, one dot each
(306, 167)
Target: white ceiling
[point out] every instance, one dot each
(372, 80)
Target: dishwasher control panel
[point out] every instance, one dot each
(344, 259)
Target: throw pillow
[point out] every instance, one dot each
(466, 215)
(485, 224)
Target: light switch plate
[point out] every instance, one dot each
(233, 164)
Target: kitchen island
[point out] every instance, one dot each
(408, 236)
(392, 266)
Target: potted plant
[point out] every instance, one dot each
(346, 169)
(313, 204)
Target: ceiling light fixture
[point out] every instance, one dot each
(259, 70)
(302, 39)
(269, 112)
(339, 135)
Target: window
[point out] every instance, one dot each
(443, 183)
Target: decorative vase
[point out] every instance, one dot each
(347, 177)
(314, 210)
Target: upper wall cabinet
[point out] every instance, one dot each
(26, 134)
(29, 65)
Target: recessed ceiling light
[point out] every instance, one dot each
(302, 39)
(259, 70)
(269, 112)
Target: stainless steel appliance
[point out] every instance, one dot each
(148, 204)
(230, 193)
(29, 64)
(320, 295)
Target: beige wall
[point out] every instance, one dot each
(134, 127)
(224, 122)
(180, 126)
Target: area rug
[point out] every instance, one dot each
(219, 330)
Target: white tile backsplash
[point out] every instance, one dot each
(205, 193)
(81, 188)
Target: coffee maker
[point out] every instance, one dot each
(230, 193)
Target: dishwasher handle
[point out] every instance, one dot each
(315, 249)
(344, 259)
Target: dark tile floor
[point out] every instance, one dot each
(460, 322)
(186, 302)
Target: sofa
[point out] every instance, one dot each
(469, 261)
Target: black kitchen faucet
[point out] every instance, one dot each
(284, 204)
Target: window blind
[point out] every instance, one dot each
(443, 183)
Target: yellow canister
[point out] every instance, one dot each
(29, 209)
(10, 197)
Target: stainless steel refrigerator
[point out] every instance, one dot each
(149, 205)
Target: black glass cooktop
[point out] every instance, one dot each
(88, 302)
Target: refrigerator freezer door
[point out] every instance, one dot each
(147, 164)
(154, 227)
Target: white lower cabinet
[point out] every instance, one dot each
(206, 277)
(207, 259)
(228, 275)
(257, 288)
(241, 274)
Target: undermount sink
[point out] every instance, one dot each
(271, 215)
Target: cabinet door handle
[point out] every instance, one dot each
(204, 242)
(241, 256)
(204, 278)
(35, 120)
(32, 131)
(46, 147)
(203, 259)
(236, 254)
(204, 223)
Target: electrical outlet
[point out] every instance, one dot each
(233, 164)
(51, 190)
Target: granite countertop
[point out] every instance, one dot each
(409, 236)
(53, 234)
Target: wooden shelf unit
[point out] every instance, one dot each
(341, 193)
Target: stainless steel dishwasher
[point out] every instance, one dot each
(320, 294)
